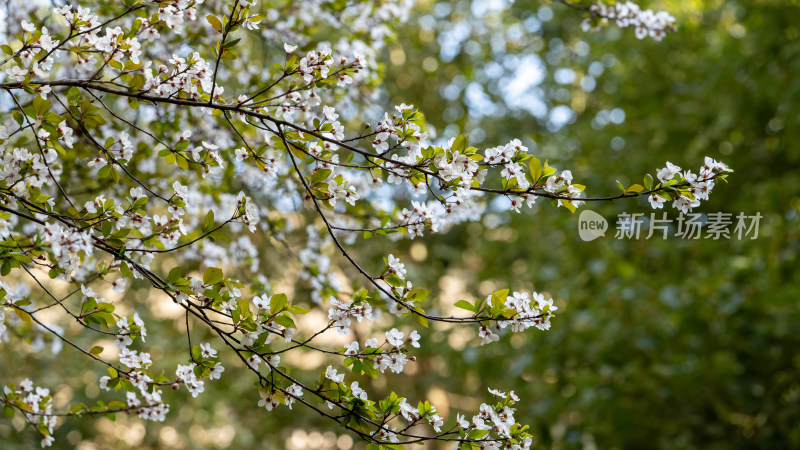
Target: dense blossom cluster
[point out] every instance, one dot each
(223, 159)
(655, 24)
(38, 406)
(697, 186)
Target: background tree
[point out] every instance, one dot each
(443, 252)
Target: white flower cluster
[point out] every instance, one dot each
(292, 392)
(529, 311)
(562, 184)
(114, 45)
(67, 245)
(458, 169)
(629, 14)
(341, 312)
(134, 359)
(42, 47)
(392, 358)
(395, 362)
(700, 184)
(19, 292)
(250, 216)
(40, 402)
(255, 359)
(396, 267)
(340, 191)
(126, 327)
(20, 169)
(192, 75)
(149, 405)
(504, 155)
(185, 374)
(498, 420)
(419, 218)
(174, 13)
(261, 179)
(406, 135)
(317, 65)
(317, 14)
(108, 42)
(411, 414)
(122, 149)
(271, 399)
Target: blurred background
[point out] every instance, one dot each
(659, 343)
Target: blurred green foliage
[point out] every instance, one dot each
(660, 344)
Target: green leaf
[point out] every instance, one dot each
(127, 385)
(319, 176)
(174, 274)
(536, 168)
(88, 306)
(418, 295)
(477, 434)
(212, 275)
(547, 171)
(568, 204)
(463, 304)
(420, 319)
(78, 408)
(277, 303)
(41, 106)
(215, 23)
(459, 144)
(25, 259)
(298, 310)
(285, 321)
(499, 298)
(196, 354)
(73, 95)
(394, 281)
(125, 270)
(208, 224)
(96, 350)
(18, 117)
(182, 163)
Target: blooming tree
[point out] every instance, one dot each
(164, 143)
